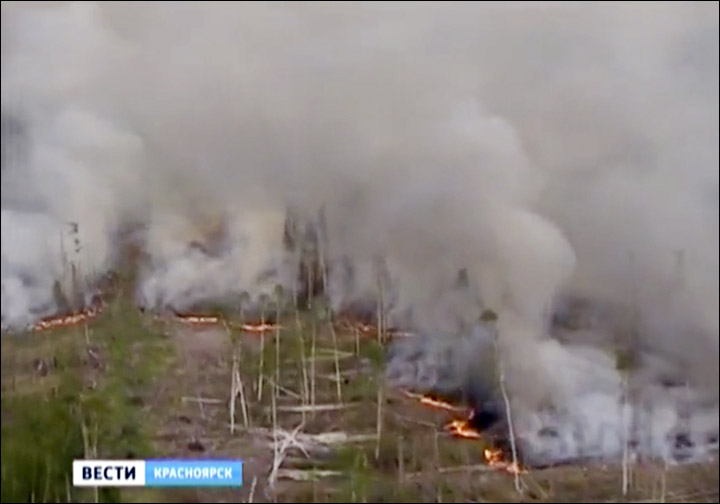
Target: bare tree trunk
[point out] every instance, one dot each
(380, 314)
(626, 441)
(511, 430)
(626, 362)
(508, 412)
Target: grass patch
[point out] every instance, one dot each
(87, 402)
(40, 439)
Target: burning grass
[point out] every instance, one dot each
(462, 428)
(68, 320)
(211, 320)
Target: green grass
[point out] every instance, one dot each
(88, 405)
(40, 439)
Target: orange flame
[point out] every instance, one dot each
(433, 402)
(462, 428)
(371, 329)
(78, 318)
(494, 458)
(210, 320)
(259, 328)
(198, 320)
(429, 401)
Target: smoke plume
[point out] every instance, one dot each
(527, 158)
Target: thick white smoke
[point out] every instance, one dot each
(544, 148)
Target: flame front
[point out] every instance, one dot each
(258, 328)
(199, 320)
(210, 320)
(69, 320)
(433, 402)
(462, 428)
(368, 329)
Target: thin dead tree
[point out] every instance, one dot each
(236, 384)
(261, 372)
(626, 362)
(279, 297)
(380, 301)
(322, 244)
(490, 316)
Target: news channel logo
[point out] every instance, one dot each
(158, 473)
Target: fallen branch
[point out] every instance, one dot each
(306, 475)
(345, 374)
(329, 355)
(325, 438)
(280, 451)
(455, 469)
(316, 407)
(203, 400)
(338, 438)
(287, 391)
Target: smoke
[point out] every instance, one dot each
(464, 157)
